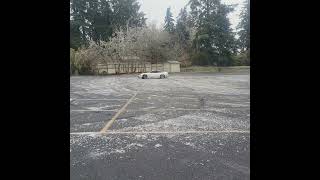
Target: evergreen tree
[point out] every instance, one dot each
(97, 19)
(182, 29)
(244, 27)
(169, 21)
(214, 41)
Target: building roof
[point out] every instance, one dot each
(174, 62)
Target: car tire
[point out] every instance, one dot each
(162, 76)
(144, 76)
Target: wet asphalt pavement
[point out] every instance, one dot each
(189, 126)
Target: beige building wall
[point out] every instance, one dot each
(166, 67)
(175, 67)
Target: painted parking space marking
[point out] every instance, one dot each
(84, 110)
(161, 132)
(108, 125)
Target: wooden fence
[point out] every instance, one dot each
(124, 68)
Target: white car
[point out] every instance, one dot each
(154, 74)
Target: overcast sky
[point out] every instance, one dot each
(155, 10)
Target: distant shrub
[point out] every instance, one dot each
(210, 59)
(242, 59)
(200, 59)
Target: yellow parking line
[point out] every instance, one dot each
(180, 132)
(108, 125)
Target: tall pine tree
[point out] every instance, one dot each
(244, 27)
(214, 41)
(169, 21)
(182, 29)
(97, 19)
(78, 24)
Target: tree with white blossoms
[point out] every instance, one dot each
(136, 45)
(86, 59)
(147, 43)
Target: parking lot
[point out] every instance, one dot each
(189, 126)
